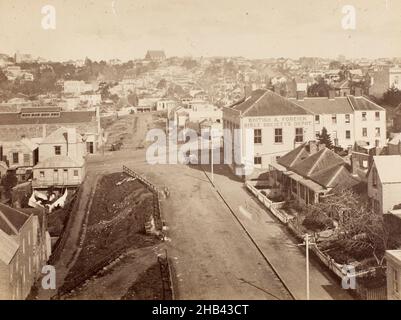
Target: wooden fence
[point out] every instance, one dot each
(336, 268)
(157, 214)
(269, 204)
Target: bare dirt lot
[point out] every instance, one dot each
(116, 224)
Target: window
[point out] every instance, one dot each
(317, 119)
(257, 136)
(57, 150)
(257, 160)
(347, 134)
(377, 115)
(27, 159)
(278, 135)
(347, 118)
(364, 132)
(41, 174)
(334, 118)
(395, 281)
(75, 173)
(299, 135)
(15, 157)
(364, 116)
(377, 132)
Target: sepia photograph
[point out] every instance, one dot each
(186, 151)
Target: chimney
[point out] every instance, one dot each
(332, 94)
(358, 92)
(313, 147)
(72, 143)
(300, 95)
(247, 91)
(354, 165)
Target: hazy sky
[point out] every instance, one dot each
(250, 28)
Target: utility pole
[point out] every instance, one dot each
(307, 266)
(306, 244)
(211, 154)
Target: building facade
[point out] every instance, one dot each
(61, 160)
(277, 125)
(25, 248)
(393, 259)
(384, 183)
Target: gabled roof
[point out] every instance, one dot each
(396, 139)
(59, 162)
(59, 136)
(388, 168)
(8, 247)
(323, 167)
(267, 103)
(40, 109)
(318, 161)
(362, 103)
(324, 105)
(29, 144)
(11, 220)
(14, 118)
(298, 154)
(155, 54)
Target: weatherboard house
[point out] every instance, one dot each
(25, 246)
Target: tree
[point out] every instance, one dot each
(392, 97)
(324, 138)
(319, 89)
(9, 181)
(359, 229)
(133, 99)
(189, 64)
(3, 77)
(162, 84)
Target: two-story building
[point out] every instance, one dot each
(384, 183)
(279, 124)
(348, 119)
(268, 126)
(21, 153)
(61, 160)
(25, 246)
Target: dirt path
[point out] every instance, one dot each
(71, 248)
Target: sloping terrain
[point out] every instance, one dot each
(116, 224)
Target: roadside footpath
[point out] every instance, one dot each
(277, 245)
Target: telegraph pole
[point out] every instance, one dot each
(211, 155)
(307, 266)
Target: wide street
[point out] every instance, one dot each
(213, 257)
